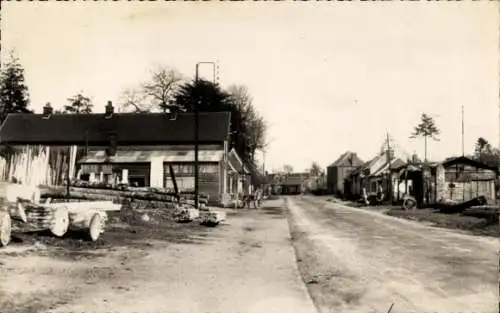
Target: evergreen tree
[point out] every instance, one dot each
(14, 96)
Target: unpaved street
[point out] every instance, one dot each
(246, 265)
(360, 261)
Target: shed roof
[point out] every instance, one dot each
(146, 156)
(464, 160)
(129, 128)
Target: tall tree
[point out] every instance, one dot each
(247, 132)
(78, 104)
(156, 94)
(482, 145)
(486, 154)
(315, 169)
(14, 95)
(288, 169)
(256, 126)
(427, 129)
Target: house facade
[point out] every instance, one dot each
(372, 175)
(339, 170)
(122, 148)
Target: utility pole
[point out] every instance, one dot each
(463, 149)
(196, 134)
(264, 162)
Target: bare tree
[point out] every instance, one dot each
(134, 100)
(155, 94)
(162, 86)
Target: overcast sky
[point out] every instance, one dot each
(327, 76)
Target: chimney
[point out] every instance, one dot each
(47, 111)
(109, 110)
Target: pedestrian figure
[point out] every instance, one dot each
(380, 193)
(257, 197)
(365, 196)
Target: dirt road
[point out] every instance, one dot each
(246, 265)
(360, 261)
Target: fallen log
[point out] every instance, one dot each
(450, 208)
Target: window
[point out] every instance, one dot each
(183, 183)
(209, 168)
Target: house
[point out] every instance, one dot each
(339, 170)
(373, 174)
(128, 148)
(290, 183)
(457, 179)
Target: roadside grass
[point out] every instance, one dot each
(471, 224)
(480, 225)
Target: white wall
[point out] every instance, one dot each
(156, 173)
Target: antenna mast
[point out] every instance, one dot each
(463, 150)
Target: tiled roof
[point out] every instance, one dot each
(129, 128)
(343, 160)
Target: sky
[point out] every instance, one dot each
(326, 76)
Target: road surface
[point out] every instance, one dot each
(246, 265)
(378, 260)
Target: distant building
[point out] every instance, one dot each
(288, 183)
(339, 170)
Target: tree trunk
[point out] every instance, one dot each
(425, 149)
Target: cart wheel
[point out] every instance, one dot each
(60, 222)
(95, 227)
(5, 229)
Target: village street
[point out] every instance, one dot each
(246, 264)
(361, 261)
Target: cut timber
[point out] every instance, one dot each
(186, 214)
(5, 228)
(212, 217)
(11, 192)
(60, 222)
(96, 227)
(42, 217)
(86, 205)
(92, 221)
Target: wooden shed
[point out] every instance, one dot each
(458, 179)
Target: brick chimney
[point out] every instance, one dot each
(47, 110)
(109, 109)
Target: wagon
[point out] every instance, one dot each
(21, 209)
